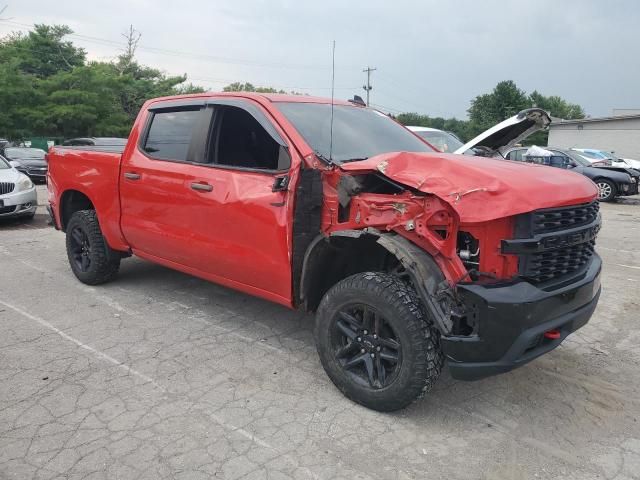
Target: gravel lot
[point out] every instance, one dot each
(161, 375)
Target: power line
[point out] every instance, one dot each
(368, 87)
(182, 54)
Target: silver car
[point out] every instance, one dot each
(18, 196)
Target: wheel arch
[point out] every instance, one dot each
(71, 201)
(329, 259)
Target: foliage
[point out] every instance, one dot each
(47, 88)
(459, 127)
(503, 102)
(249, 87)
(489, 109)
(42, 52)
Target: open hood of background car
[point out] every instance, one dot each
(481, 189)
(506, 134)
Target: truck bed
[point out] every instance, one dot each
(93, 172)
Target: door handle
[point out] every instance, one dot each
(202, 187)
(132, 176)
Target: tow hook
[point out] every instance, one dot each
(552, 334)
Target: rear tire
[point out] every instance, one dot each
(607, 190)
(375, 342)
(92, 261)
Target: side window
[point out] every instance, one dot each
(243, 143)
(169, 135)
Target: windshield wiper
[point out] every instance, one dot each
(353, 159)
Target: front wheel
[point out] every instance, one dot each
(375, 342)
(606, 190)
(91, 259)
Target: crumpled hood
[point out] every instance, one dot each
(481, 189)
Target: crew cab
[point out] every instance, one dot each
(408, 256)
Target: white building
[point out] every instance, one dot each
(619, 134)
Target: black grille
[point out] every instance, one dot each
(6, 187)
(556, 219)
(10, 209)
(551, 264)
(554, 242)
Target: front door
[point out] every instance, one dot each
(199, 194)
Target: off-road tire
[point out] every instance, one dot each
(104, 262)
(609, 186)
(422, 357)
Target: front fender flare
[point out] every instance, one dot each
(425, 274)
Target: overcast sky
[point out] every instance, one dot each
(432, 57)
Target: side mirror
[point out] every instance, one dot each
(14, 164)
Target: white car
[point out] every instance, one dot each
(492, 142)
(443, 141)
(18, 196)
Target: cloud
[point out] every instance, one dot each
(432, 57)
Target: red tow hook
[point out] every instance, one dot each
(552, 334)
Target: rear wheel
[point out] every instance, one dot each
(375, 342)
(606, 190)
(91, 259)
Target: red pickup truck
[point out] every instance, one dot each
(408, 256)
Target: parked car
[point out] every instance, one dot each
(103, 142)
(17, 192)
(595, 157)
(30, 161)
(445, 142)
(611, 181)
(95, 141)
(609, 157)
(408, 256)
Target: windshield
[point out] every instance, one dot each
(578, 158)
(16, 153)
(358, 133)
(443, 141)
(594, 155)
(4, 164)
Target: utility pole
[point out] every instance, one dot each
(367, 88)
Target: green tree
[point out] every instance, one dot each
(459, 127)
(43, 51)
(48, 88)
(556, 106)
(503, 102)
(249, 87)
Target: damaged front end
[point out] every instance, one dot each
(491, 318)
(426, 235)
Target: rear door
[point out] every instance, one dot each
(157, 200)
(206, 191)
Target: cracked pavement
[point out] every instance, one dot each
(161, 375)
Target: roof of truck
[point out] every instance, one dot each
(272, 97)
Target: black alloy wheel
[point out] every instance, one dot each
(366, 346)
(80, 249)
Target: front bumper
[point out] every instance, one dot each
(513, 319)
(20, 203)
(628, 189)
